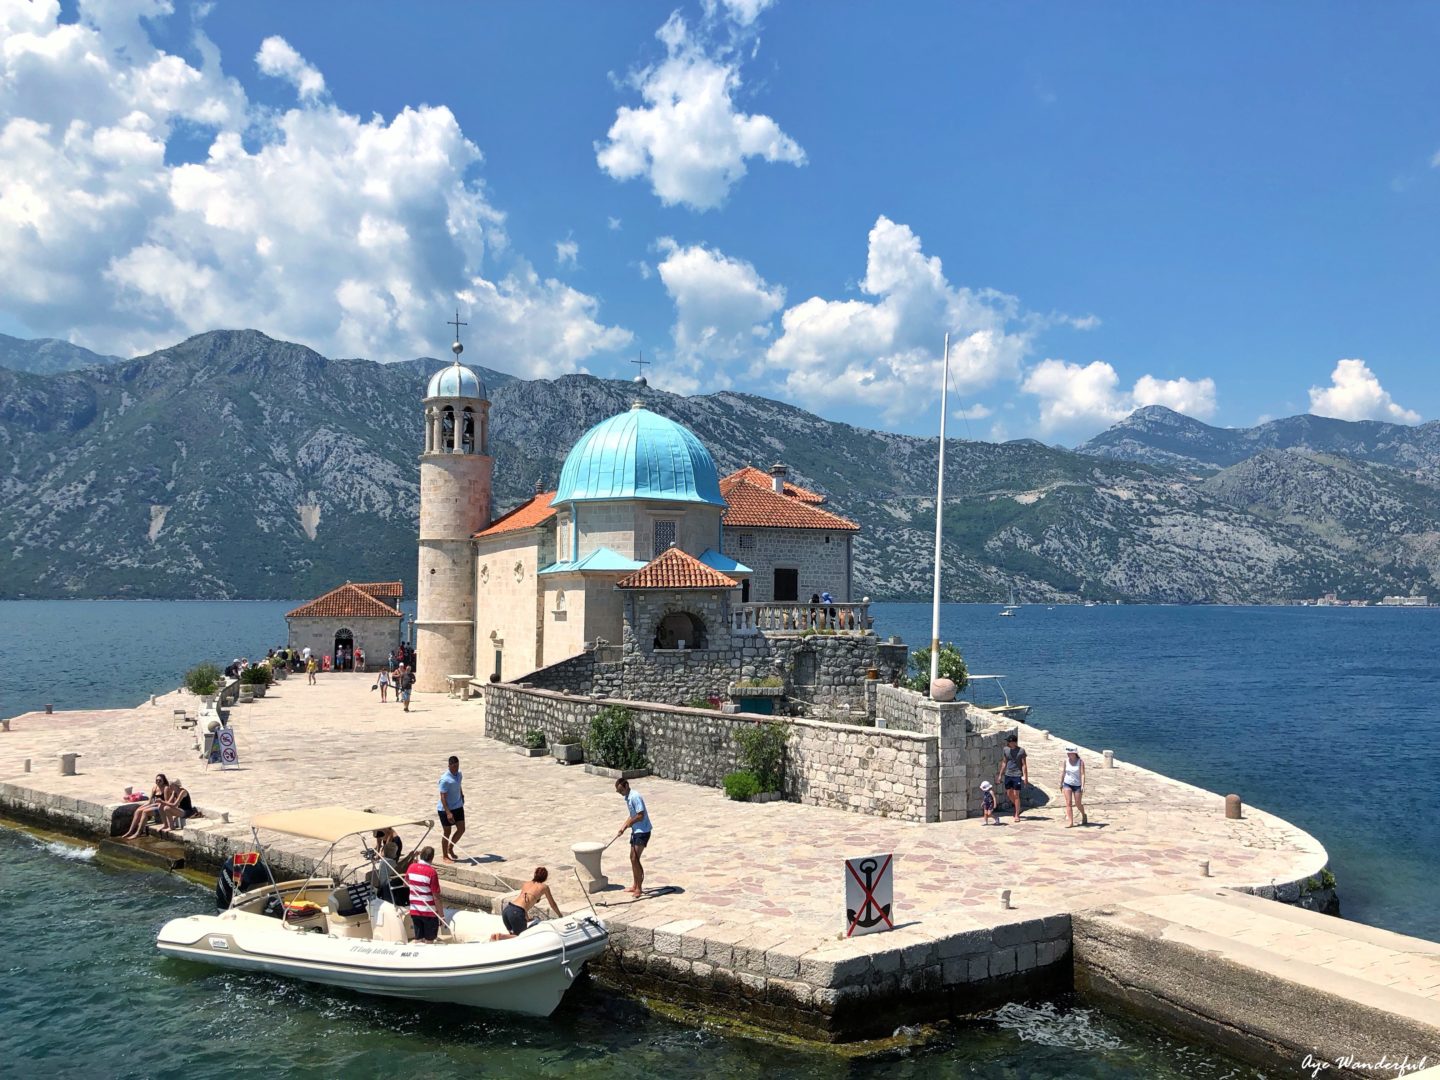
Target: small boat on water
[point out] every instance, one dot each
(1009, 609)
(994, 684)
(350, 931)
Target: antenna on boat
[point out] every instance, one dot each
(939, 511)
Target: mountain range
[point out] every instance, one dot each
(233, 465)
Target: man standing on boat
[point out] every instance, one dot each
(451, 808)
(1015, 770)
(639, 825)
(424, 885)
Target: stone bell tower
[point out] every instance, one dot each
(455, 476)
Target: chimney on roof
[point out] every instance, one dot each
(539, 485)
(778, 473)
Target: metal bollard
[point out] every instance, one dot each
(1233, 807)
(1109, 756)
(1004, 899)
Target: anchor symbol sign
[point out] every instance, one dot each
(869, 894)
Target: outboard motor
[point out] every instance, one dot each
(245, 871)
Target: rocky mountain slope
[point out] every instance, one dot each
(45, 356)
(234, 465)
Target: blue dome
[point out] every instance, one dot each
(456, 380)
(639, 455)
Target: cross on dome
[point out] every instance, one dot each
(457, 348)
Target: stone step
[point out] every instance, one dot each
(165, 854)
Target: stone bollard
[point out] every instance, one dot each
(1046, 734)
(1233, 807)
(49, 709)
(224, 817)
(4, 725)
(67, 764)
(1109, 756)
(27, 764)
(588, 856)
(1004, 899)
(1205, 868)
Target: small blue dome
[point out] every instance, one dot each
(639, 455)
(456, 380)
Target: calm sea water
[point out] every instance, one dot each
(1325, 716)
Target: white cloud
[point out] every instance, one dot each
(724, 313)
(972, 412)
(278, 57)
(350, 234)
(689, 139)
(1075, 398)
(1355, 393)
(742, 12)
(883, 352)
(567, 252)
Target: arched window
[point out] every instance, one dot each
(467, 431)
(447, 430)
(680, 630)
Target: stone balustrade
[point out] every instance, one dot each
(796, 618)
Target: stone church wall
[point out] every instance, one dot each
(823, 567)
(376, 638)
(507, 601)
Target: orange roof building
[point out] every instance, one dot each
(347, 620)
(676, 569)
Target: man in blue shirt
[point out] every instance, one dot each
(451, 808)
(639, 825)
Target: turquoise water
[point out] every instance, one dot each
(85, 995)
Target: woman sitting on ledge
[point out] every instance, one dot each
(152, 805)
(516, 913)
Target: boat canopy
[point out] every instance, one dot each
(331, 823)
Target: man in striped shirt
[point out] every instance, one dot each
(424, 885)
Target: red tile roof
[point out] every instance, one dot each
(752, 505)
(383, 590)
(752, 475)
(346, 602)
(674, 569)
(525, 516)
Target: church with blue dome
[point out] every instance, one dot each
(641, 545)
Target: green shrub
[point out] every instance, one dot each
(256, 675)
(569, 737)
(762, 752)
(203, 679)
(701, 703)
(1327, 879)
(952, 666)
(611, 741)
(741, 785)
(534, 739)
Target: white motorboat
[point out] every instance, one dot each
(1004, 707)
(349, 932)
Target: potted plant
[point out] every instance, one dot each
(611, 749)
(257, 678)
(534, 744)
(568, 747)
(762, 752)
(203, 680)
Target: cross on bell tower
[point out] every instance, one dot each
(457, 348)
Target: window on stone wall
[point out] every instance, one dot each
(747, 541)
(664, 537)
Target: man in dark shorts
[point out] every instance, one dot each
(451, 808)
(639, 825)
(424, 885)
(1014, 770)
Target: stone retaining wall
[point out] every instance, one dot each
(887, 773)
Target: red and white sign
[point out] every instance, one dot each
(229, 753)
(869, 894)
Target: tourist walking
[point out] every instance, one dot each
(359, 659)
(424, 884)
(311, 667)
(987, 803)
(452, 808)
(1072, 782)
(1014, 770)
(639, 825)
(516, 913)
(383, 682)
(404, 686)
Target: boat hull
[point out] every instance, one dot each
(527, 975)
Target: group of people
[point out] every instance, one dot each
(1014, 773)
(169, 803)
(401, 678)
(422, 880)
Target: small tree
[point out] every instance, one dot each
(203, 679)
(762, 751)
(952, 667)
(611, 740)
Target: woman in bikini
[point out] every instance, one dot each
(150, 806)
(516, 913)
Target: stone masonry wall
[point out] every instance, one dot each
(885, 773)
(821, 559)
(376, 638)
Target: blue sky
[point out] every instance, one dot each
(1230, 209)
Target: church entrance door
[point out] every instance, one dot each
(787, 586)
(344, 650)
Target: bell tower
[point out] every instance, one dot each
(455, 477)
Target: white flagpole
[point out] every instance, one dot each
(939, 510)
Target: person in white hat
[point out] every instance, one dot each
(987, 803)
(1072, 782)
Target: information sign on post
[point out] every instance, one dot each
(869, 894)
(229, 753)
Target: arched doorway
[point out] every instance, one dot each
(344, 653)
(680, 630)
